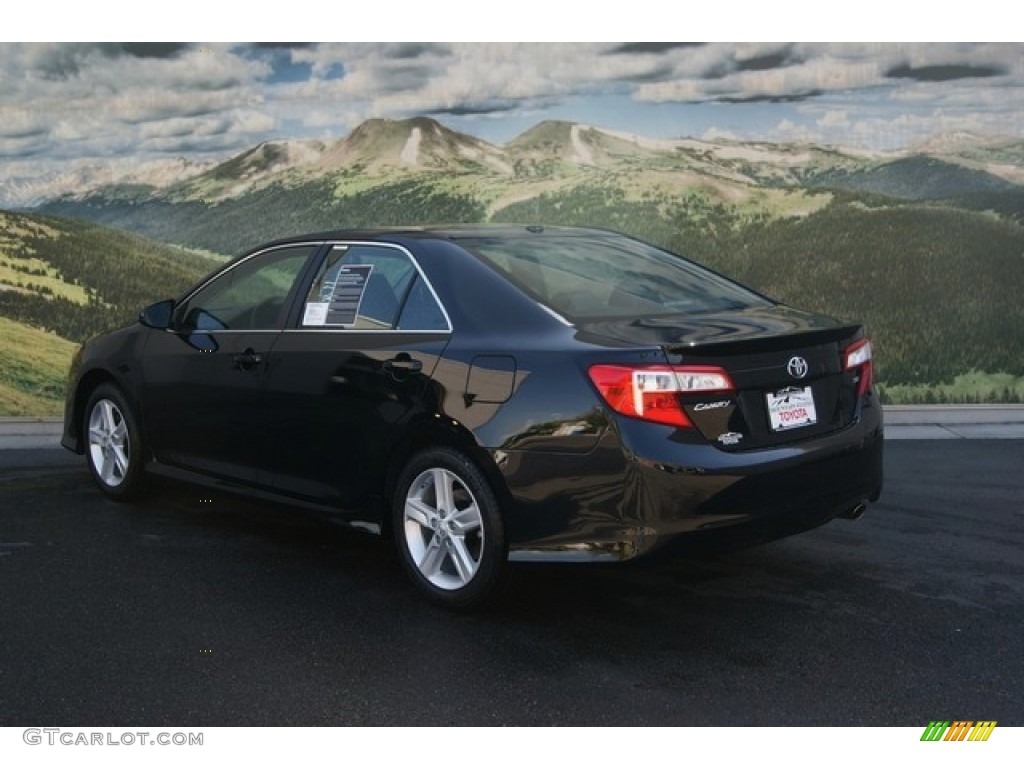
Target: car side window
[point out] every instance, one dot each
(421, 311)
(368, 287)
(249, 297)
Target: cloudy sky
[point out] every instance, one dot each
(64, 105)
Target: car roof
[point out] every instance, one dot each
(441, 231)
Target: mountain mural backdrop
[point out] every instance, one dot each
(924, 245)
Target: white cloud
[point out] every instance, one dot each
(787, 130)
(909, 129)
(96, 100)
(22, 147)
(18, 122)
(833, 118)
(714, 133)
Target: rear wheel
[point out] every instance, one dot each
(113, 443)
(448, 529)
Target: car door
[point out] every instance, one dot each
(203, 378)
(353, 372)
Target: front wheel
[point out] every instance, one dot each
(113, 447)
(448, 529)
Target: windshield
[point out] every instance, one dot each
(586, 277)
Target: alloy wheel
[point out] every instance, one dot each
(109, 443)
(443, 528)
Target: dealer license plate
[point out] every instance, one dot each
(790, 408)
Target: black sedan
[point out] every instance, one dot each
(488, 393)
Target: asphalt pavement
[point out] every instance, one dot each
(195, 608)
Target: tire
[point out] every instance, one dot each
(113, 444)
(452, 544)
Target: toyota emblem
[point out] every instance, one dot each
(797, 367)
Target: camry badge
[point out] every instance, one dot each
(730, 438)
(711, 406)
(797, 367)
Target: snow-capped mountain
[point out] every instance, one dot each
(29, 191)
(551, 152)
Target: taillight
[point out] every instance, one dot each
(652, 392)
(857, 358)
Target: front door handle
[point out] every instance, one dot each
(248, 360)
(403, 363)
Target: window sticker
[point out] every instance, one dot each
(316, 313)
(347, 290)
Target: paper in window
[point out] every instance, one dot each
(347, 294)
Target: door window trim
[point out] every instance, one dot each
(293, 324)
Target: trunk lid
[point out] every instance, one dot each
(787, 366)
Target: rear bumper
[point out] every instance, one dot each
(644, 490)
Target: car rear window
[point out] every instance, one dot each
(597, 276)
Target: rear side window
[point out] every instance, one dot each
(370, 287)
(421, 311)
(593, 276)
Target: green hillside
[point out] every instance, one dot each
(913, 178)
(1008, 205)
(76, 279)
(939, 289)
(34, 370)
(244, 222)
(64, 280)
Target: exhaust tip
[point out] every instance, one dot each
(855, 512)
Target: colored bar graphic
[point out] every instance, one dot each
(958, 731)
(935, 730)
(982, 730)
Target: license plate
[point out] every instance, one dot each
(791, 408)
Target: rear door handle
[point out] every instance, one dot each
(248, 359)
(403, 363)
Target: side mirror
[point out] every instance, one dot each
(158, 315)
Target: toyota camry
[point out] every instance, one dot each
(489, 393)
